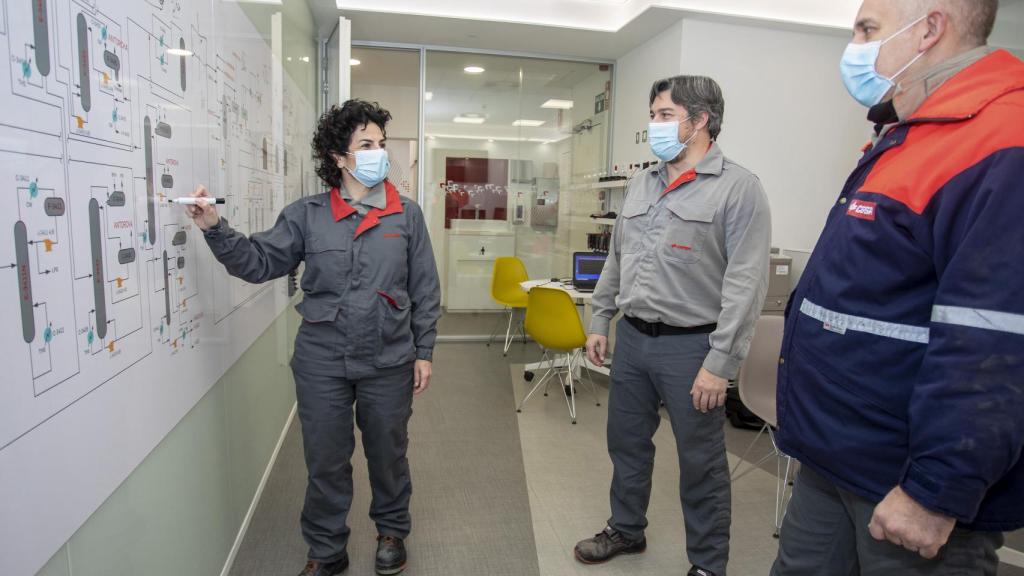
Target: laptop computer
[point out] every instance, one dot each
(586, 269)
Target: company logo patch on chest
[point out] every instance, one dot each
(862, 209)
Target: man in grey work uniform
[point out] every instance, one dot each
(688, 267)
(370, 308)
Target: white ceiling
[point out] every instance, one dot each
(496, 36)
(612, 15)
(590, 29)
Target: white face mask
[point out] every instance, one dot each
(664, 139)
(860, 77)
(371, 166)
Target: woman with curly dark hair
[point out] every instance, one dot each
(370, 308)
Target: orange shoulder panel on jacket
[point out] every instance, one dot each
(973, 115)
(935, 152)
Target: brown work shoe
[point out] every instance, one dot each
(316, 568)
(607, 545)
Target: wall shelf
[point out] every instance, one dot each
(607, 185)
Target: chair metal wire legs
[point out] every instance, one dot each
(565, 370)
(781, 498)
(783, 474)
(510, 333)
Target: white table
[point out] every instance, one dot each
(581, 298)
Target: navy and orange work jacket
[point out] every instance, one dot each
(903, 356)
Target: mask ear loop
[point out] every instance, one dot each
(345, 167)
(892, 79)
(692, 136)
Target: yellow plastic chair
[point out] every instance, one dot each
(553, 322)
(509, 272)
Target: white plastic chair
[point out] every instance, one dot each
(757, 383)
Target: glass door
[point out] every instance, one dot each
(391, 77)
(513, 146)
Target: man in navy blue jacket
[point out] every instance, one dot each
(901, 377)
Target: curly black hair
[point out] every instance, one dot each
(334, 134)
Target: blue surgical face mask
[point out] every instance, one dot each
(372, 166)
(861, 78)
(664, 139)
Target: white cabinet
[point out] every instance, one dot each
(471, 257)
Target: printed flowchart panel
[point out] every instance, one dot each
(113, 108)
(118, 318)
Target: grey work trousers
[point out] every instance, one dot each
(382, 408)
(825, 533)
(645, 371)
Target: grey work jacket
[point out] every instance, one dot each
(689, 253)
(372, 296)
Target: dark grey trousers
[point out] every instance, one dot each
(646, 370)
(382, 408)
(825, 533)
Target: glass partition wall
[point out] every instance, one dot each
(392, 78)
(512, 148)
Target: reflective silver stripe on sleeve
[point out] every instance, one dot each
(840, 323)
(978, 318)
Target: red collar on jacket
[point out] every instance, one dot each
(342, 209)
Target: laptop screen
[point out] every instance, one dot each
(587, 267)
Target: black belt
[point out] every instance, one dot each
(655, 329)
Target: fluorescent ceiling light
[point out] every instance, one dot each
(353, 62)
(473, 70)
(528, 123)
(179, 52)
(467, 119)
(558, 104)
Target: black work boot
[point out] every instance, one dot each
(607, 545)
(317, 568)
(698, 571)
(390, 555)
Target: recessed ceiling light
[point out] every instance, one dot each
(305, 58)
(473, 70)
(469, 119)
(179, 52)
(354, 62)
(558, 104)
(428, 96)
(528, 123)
(491, 140)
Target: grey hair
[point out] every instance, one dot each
(979, 17)
(697, 94)
(973, 19)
